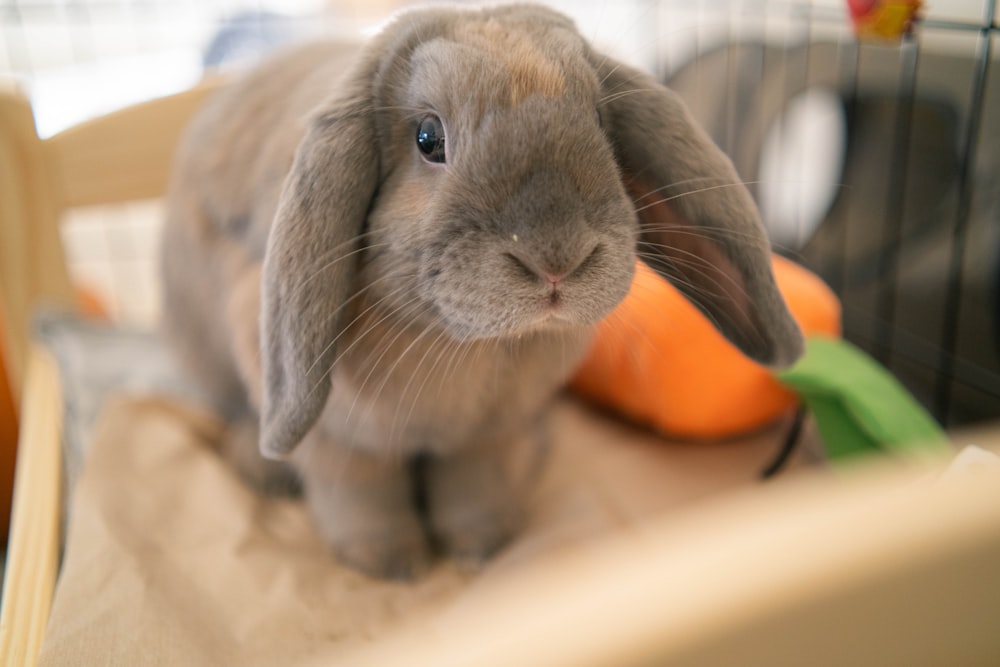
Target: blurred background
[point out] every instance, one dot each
(877, 165)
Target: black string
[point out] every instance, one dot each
(787, 446)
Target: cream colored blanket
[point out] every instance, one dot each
(171, 560)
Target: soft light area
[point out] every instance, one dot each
(801, 167)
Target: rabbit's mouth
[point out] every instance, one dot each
(556, 310)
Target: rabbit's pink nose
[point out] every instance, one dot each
(532, 270)
(553, 279)
(551, 272)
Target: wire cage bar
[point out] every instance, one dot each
(907, 233)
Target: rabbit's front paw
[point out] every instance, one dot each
(473, 508)
(471, 535)
(363, 508)
(395, 550)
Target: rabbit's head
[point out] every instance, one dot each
(487, 173)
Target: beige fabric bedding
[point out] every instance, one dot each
(171, 560)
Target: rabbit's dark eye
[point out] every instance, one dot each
(430, 139)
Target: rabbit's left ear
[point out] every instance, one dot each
(699, 225)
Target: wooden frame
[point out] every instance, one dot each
(33, 546)
(109, 160)
(112, 159)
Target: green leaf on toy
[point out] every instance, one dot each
(859, 407)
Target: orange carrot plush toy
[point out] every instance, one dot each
(658, 361)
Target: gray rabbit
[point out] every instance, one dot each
(400, 251)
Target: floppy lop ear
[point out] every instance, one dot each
(310, 262)
(699, 225)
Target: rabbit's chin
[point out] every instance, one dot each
(513, 325)
(543, 326)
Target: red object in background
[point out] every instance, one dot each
(861, 8)
(8, 445)
(91, 306)
(884, 20)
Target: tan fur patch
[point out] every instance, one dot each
(530, 72)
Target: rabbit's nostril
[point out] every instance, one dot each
(522, 265)
(537, 270)
(590, 259)
(581, 264)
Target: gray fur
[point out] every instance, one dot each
(406, 307)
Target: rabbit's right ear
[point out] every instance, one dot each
(310, 262)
